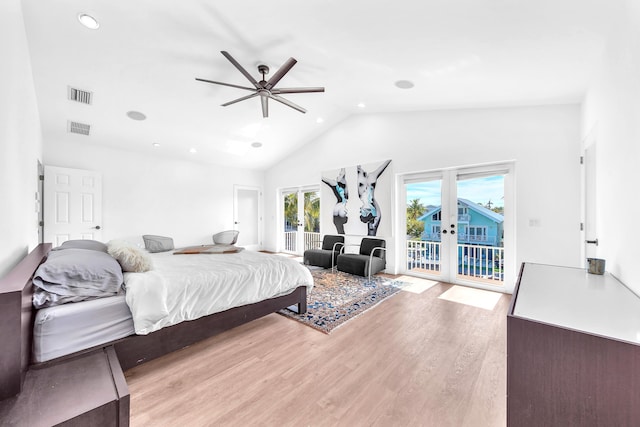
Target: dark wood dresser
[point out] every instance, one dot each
(573, 350)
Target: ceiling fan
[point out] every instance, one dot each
(265, 89)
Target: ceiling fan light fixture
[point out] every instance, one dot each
(265, 89)
(88, 21)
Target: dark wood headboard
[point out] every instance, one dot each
(16, 321)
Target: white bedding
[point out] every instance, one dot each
(186, 287)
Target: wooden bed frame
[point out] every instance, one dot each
(17, 316)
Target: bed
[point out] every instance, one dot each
(137, 341)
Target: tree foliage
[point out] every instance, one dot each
(415, 227)
(311, 212)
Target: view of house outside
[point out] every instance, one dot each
(479, 228)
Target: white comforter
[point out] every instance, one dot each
(186, 287)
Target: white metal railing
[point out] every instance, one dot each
(474, 261)
(423, 255)
(475, 238)
(463, 238)
(311, 241)
(483, 262)
(290, 241)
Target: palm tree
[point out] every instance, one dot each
(312, 212)
(290, 211)
(415, 210)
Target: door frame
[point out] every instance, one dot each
(258, 245)
(589, 196)
(449, 188)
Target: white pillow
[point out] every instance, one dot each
(131, 258)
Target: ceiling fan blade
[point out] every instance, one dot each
(240, 99)
(288, 103)
(264, 100)
(298, 90)
(241, 69)
(224, 84)
(280, 73)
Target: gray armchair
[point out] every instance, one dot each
(370, 260)
(326, 256)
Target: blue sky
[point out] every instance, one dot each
(479, 190)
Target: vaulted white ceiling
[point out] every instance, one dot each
(147, 53)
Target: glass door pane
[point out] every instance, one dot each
(423, 223)
(290, 218)
(311, 217)
(480, 242)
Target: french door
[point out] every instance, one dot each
(458, 225)
(300, 220)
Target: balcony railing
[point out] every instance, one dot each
(481, 262)
(464, 238)
(311, 241)
(422, 255)
(475, 262)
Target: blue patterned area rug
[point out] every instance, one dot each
(338, 297)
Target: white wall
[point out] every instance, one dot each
(20, 140)
(142, 194)
(543, 141)
(612, 113)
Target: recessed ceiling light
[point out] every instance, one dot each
(193, 150)
(319, 120)
(136, 115)
(88, 21)
(361, 105)
(404, 84)
(256, 144)
(155, 144)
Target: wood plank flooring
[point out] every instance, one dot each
(413, 360)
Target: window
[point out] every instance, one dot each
(437, 216)
(477, 233)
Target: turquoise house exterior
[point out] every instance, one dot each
(476, 225)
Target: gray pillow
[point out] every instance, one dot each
(157, 243)
(93, 245)
(78, 273)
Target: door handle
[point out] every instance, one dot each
(97, 227)
(444, 231)
(592, 242)
(453, 231)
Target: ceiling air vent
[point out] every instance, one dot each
(79, 95)
(79, 128)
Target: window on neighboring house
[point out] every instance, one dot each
(435, 230)
(463, 210)
(477, 233)
(436, 216)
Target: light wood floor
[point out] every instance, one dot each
(412, 360)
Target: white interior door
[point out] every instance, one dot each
(590, 231)
(72, 205)
(248, 216)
